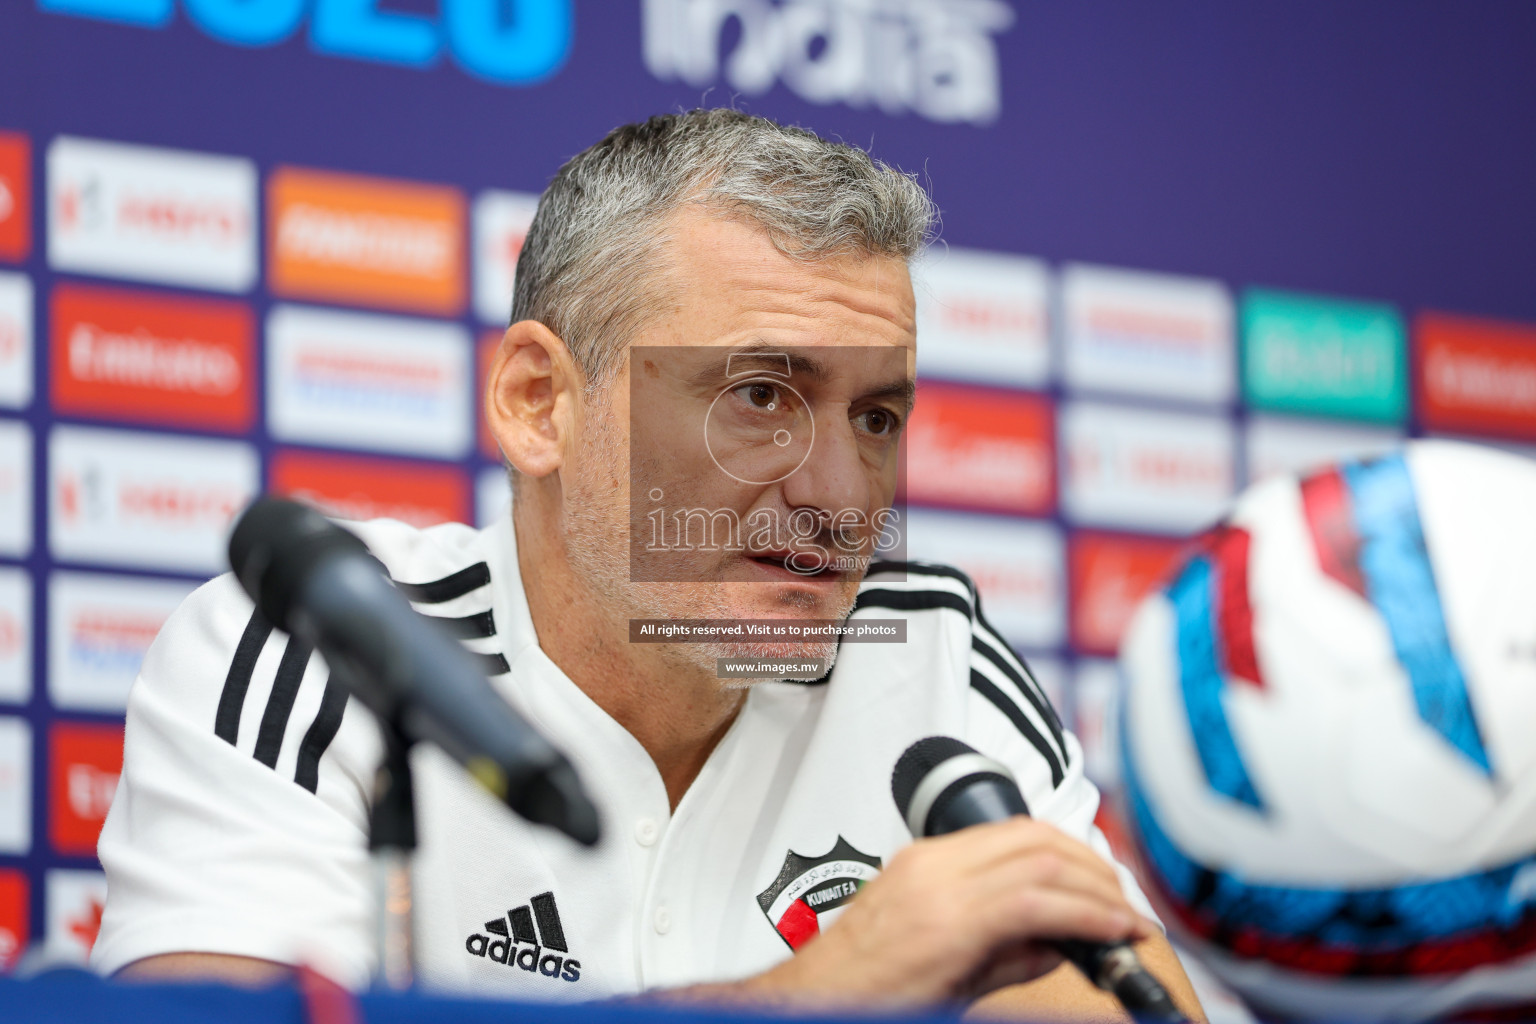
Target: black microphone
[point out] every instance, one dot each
(942, 785)
(321, 584)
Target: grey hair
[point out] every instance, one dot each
(587, 264)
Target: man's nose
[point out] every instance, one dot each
(834, 476)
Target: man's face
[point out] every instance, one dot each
(755, 431)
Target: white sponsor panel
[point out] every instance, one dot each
(146, 214)
(16, 340)
(99, 627)
(15, 636)
(1281, 444)
(1096, 690)
(15, 785)
(73, 916)
(1143, 469)
(1137, 333)
(148, 501)
(493, 496)
(1018, 566)
(15, 489)
(983, 316)
(357, 380)
(935, 58)
(501, 223)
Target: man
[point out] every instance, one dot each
(713, 326)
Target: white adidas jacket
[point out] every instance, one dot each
(240, 823)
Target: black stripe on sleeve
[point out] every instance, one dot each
(1037, 700)
(449, 587)
(493, 664)
(468, 627)
(285, 687)
(226, 721)
(912, 600)
(327, 723)
(920, 569)
(1042, 746)
(1001, 656)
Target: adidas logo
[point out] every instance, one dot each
(503, 944)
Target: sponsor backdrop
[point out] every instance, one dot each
(252, 244)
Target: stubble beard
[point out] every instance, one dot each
(597, 539)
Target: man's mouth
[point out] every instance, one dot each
(804, 564)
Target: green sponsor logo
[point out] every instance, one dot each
(1324, 357)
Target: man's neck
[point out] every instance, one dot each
(677, 715)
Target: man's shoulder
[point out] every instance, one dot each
(217, 646)
(219, 670)
(429, 565)
(415, 556)
(1012, 708)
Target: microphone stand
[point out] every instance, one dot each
(392, 842)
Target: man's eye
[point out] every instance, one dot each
(878, 421)
(760, 396)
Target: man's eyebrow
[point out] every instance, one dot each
(905, 389)
(755, 358)
(758, 357)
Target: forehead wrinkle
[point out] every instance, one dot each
(737, 264)
(712, 255)
(824, 299)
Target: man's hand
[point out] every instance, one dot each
(951, 919)
(1065, 995)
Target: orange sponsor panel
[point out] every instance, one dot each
(366, 241)
(84, 762)
(15, 197)
(1110, 574)
(981, 448)
(354, 487)
(1476, 376)
(150, 358)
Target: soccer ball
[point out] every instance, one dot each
(1329, 740)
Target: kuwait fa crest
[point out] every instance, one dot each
(808, 887)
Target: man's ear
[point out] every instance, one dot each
(531, 398)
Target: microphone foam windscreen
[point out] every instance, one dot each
(275, 545)
(919, 759)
